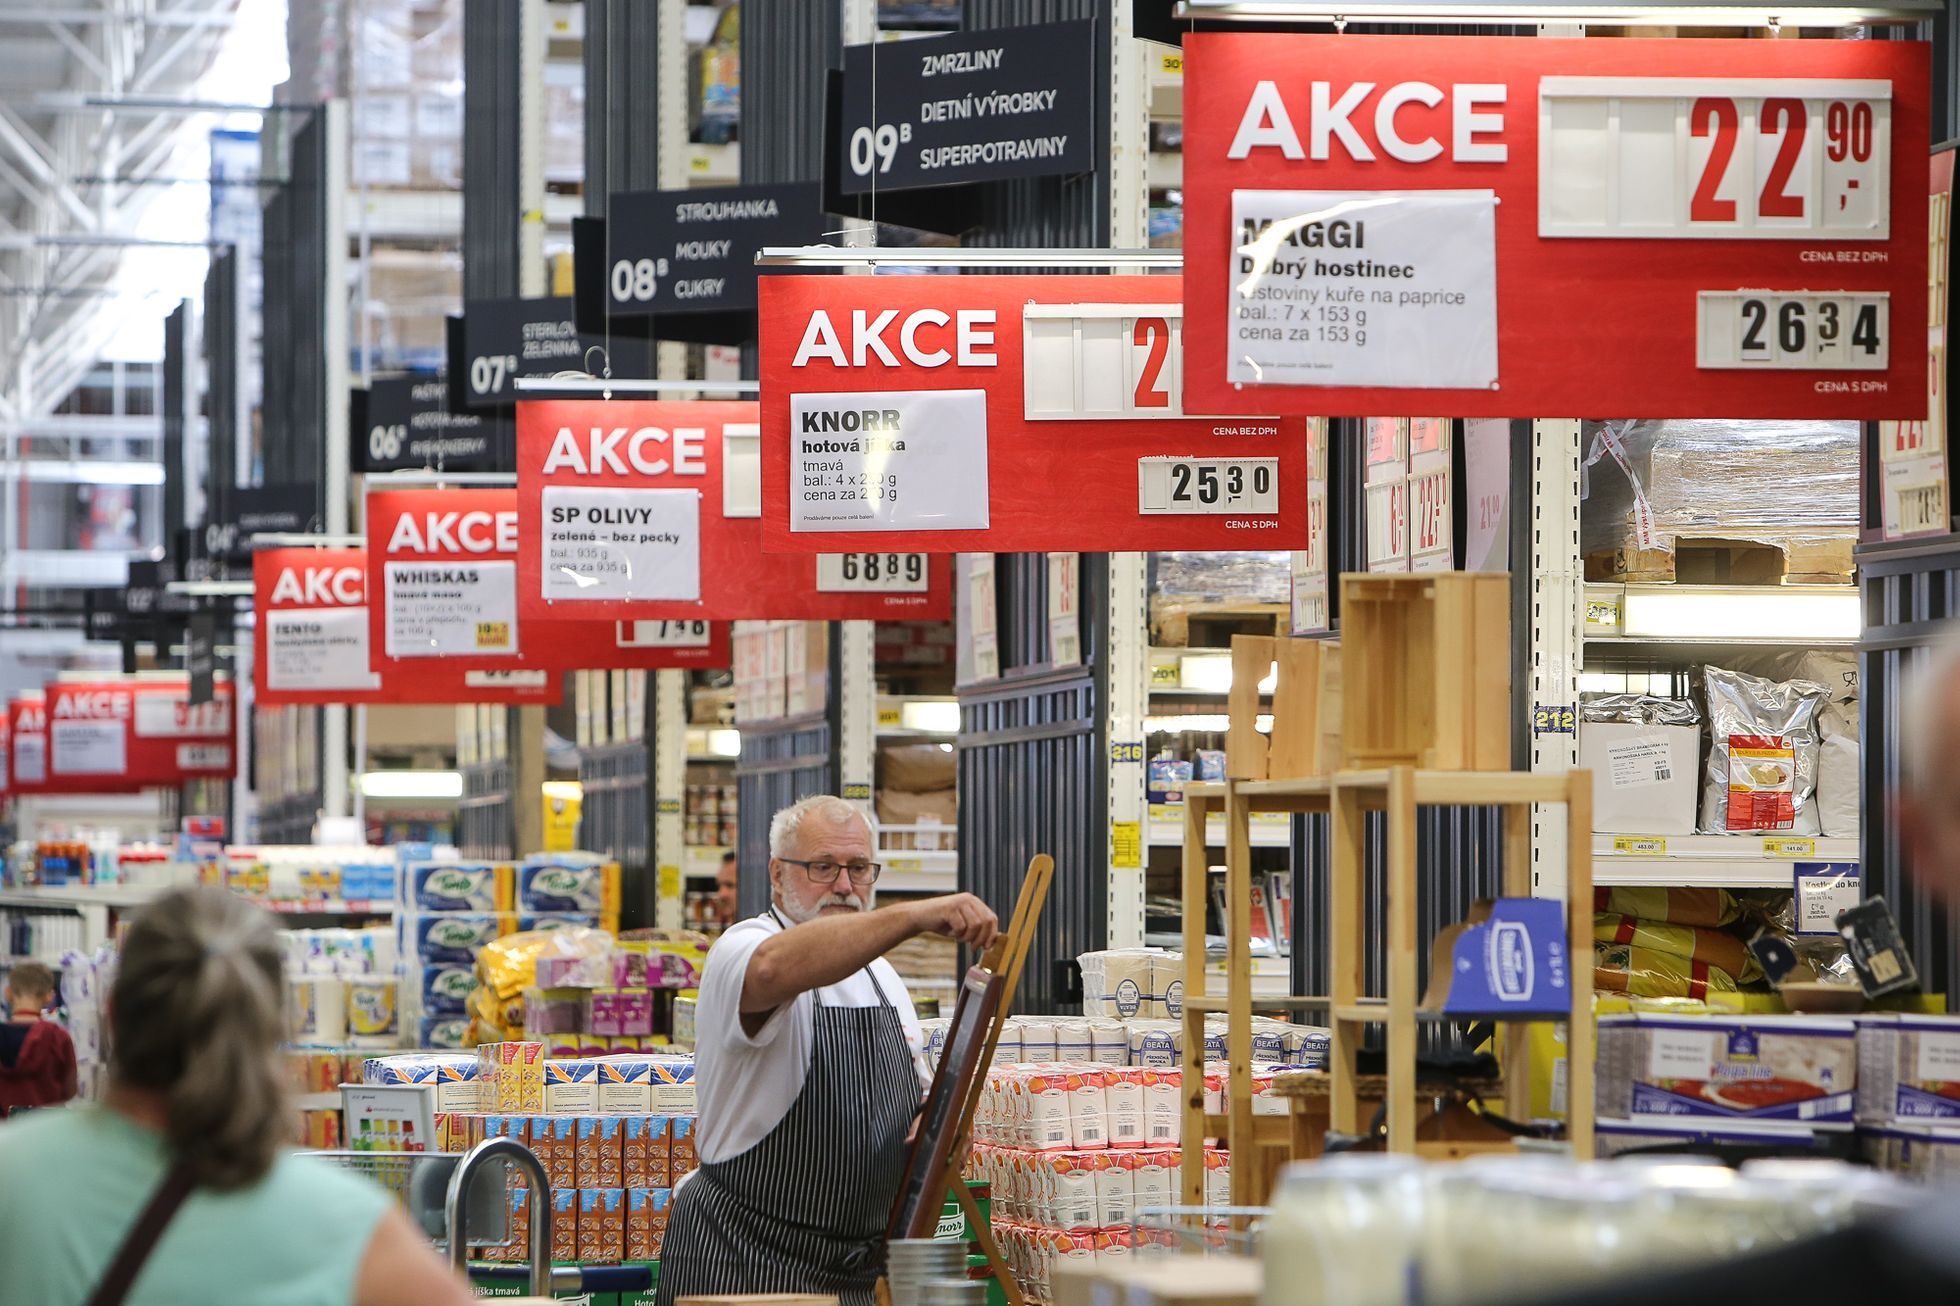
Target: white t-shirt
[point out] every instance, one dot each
(745, 1085)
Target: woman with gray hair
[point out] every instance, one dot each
(178, 1187)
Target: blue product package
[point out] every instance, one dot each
(445, 987)
(549, 887)
(554, 920)
(444, 1032)
(447, 936)
(458, 886)
(1511, 964)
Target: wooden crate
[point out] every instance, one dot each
(1176, 623)
(1299, 706)
(1427, 680)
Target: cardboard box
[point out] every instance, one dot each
(680, 1146)
(1644, 776)
(625, 1086)
(601, 1224)
(1801, 1069)
(1908, 1069)
(646, 1222)
(597, 1159)
(571, 1088)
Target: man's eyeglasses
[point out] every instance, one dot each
(825, 872)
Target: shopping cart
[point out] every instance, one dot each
(448, 1194)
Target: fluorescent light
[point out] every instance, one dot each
(725, 743)
(570, 791)
(1742, 613)
(412, 784)
(931, 717)
(838, 256)
(1655, 13)
(584, 383)
(1209, 722)
(301, 540)
(390, 480)
(210, 588)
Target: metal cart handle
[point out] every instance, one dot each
(567, 1279)
(459, 1184)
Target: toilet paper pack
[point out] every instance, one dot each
(427, 937)
(457, 886)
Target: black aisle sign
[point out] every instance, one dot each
(687, 258)
(201, 655)
(259, 510)
(503, 339)
(970, 107)
(403, 423)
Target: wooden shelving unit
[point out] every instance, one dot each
(1348, 796)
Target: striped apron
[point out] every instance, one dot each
(805, 1209)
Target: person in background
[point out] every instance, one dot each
(179, 1186)
(727, 881)
(37, 1058)
(809, 1067)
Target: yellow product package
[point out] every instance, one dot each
(1651, 973)
(1719, 949)
(1678, 906)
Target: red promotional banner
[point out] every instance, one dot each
(310, 642)
(1502, 227)
(118, 734)
(1005, 414)
(442, 565)
(27, 744)
(652, 509)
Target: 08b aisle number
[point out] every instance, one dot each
(871, 573)
(1844, 331)
(1238, 487)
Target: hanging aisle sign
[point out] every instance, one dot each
(401, 423)
(1495, 225)
(503, 339)
(442, 567)
(1005, 414)
(310, 642)
(967, 107)
(638, 510)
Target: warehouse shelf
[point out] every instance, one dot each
(917, 716)
(1166, 828)
(702, 861)
(1727, 861)
(919, 872)
(1809, 616)
(79, 895)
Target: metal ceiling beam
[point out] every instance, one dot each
(80, 50)
(182, 16)
(17, 136)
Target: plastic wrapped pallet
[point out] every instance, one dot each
(1764, 741)
(1185, 582)
(1791, 483)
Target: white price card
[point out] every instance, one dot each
(505, 679)
(318, 648)
(899, 460)
(450, 609)
(608, 544)
(1385, 508)
(1842, 332)
(871, 573)
(30, 759)
(1682, 1053)
(1364, 288)
(88, 747)
(662, 634)
(1208, 486)
(1103, 362)
(1914, 501)
(162, 716)
(1683, 157)
(1823, 889)
(203, 757)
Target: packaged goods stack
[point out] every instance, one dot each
(351, 878)
(1908, 1106)
(314, 1076)
(614, 1135)
(1190, 589)
(341, 988)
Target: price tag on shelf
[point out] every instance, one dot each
(1223, 486)
(904, 865)
(871, 573)
(1784, 847)
(1823, 889)
(203, 757)
(1639, 845)
(890, 718)
(1603, 616)
(1126, 845)
(1829, 332)
(1694, 158)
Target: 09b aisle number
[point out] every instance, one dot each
(1751, 158)
(1843, 331)
(871, 573)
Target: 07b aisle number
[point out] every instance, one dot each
(1749, 158)
(1844, 331)
(871, 573)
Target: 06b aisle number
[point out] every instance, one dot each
(1844, 331)
(871, 573)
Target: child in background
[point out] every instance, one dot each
(37, 1058)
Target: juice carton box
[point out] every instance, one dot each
(643, 1155)
(559, 1135)
(598, 1155)
(639, 1225)
(680, 1134)
(564, 1224)
(601, 1224)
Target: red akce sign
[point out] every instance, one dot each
(1005, 414)
(704, 449)
(442, 568)
(1682, 228)
(27, 744)
(310, 642)
(120, 734)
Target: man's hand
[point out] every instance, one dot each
(960, 915)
